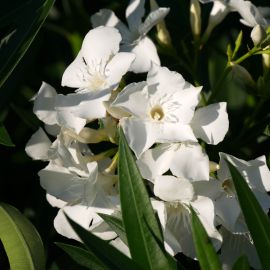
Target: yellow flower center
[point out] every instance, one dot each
(157, 113)
(97, 82)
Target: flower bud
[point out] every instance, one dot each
(163, 34)
(242, 75)
(266, 60)
(257, 34)
(213, 166)
(195, 17)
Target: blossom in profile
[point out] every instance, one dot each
(162, 110)
(250, 14)
(134, 37)
(46, 108)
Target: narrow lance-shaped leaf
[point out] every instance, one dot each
(257, 221)
(83, 257)
(238, 43)
(23, 23)
(208, 259)
(106, 253)
(146, 246)
(21, 241)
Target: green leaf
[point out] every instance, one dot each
(238, 43)
(117, 226)
(106, 253)
(19, 24)
(143, 232)
(257, 221)
(208, 259)
(241, 264)
(4, 137)
(21, 241)
(229, 52)
(83, 257)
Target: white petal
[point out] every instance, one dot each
(160, 209)
(251, 16)
(178, 233)
(182, 94)
(87, 217)
(190, 162)
(99, 45)
(115, 112)
(107, 17)
(211, 123)
(170, 189)
(61, 183)
(211, 189)
(206, 212)
(44, 104)
(38, 145)
(121, 246)
(139, 134)
(118, 67)
(92, 107)
(54, 202)
(134, 13)
(152, 19)
(76, 74)
(234, 246)
(254, 171)
(227, 208)
(155, 162)
(53, 130)
(65, 106)
(218, 12)
(165, 78)
(133, 100)
(173, 132)
(146, 53)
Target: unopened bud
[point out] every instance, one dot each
(163, 34)
(258, 34)
(242, 75)
(213, 166)
(266, 60)
(195, 17)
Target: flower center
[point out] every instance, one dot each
(229, 187)
(157, 113)
(97, 81)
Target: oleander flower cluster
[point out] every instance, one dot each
(165, 125)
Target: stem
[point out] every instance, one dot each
(101, 155)
(113, 164)
(245, 56)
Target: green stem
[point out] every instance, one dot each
(246, 55)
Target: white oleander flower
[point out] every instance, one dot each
(96, 71)
(177, 192)
(162, 111)
(250, 14)
(134, 36)
(256, 174)
(46, 104)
